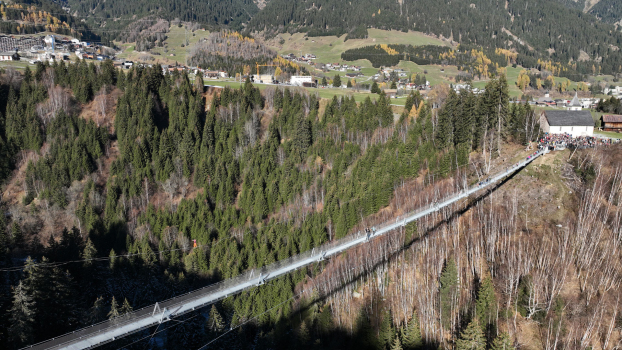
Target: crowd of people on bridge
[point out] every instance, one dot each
(563, 141)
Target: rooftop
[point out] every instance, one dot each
(612, 118)
(569, 118)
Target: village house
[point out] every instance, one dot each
(616, 91)
(211, 74)
(575, 123)
(9, 56)
(611, 123)
(391, 93)
(546, 101)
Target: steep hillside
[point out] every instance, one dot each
(100, 163)
(608, 11)
(534, 29)
(34, 16)
(119, 13)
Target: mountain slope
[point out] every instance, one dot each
(547, 25)
(608, 11)
(119, 13)
(32, 16)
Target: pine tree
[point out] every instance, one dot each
(303, 138)
(386, 330)
(393, 85)
(397, 345)
(449, 291)
(324, 82)
(472, 338)
(349, 84)
(126, 308)
(17, 235)
(22, 315)
(337, 81)
(114, 309)
(215, 323)
(502, 342)
(260, 207)
(486, 304)
(96, 313)
(502, 102)
(303, 335)
(374, 88)
(411, 334)
(89, 253)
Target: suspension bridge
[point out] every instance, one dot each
(161, 312)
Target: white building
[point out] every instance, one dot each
(575, 123)
(9, 56)
(298, 80)
(617, 90)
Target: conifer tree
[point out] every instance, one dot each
(96, 313)
(472, 338)
(337, 81)
(397, 345)
(411, 334)
(89, 253)
(22, 315)
(215, 323)
(126, 308)
(486, 304)
(303, 136)
(386, 330)
(502, 342)
(408, 105)
(114, 309)
(324, 82)
(17, 235)
(449, 291)
(374, 88)
(303, 335)
(260, 207)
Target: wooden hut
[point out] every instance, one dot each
(611, 122)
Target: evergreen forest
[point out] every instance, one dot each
(183, 188)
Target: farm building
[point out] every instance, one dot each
(575, 123)
(611, 123)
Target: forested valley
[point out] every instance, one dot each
(110, 177)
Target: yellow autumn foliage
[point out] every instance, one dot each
(388, 50)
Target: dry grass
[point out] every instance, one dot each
(90, 110)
